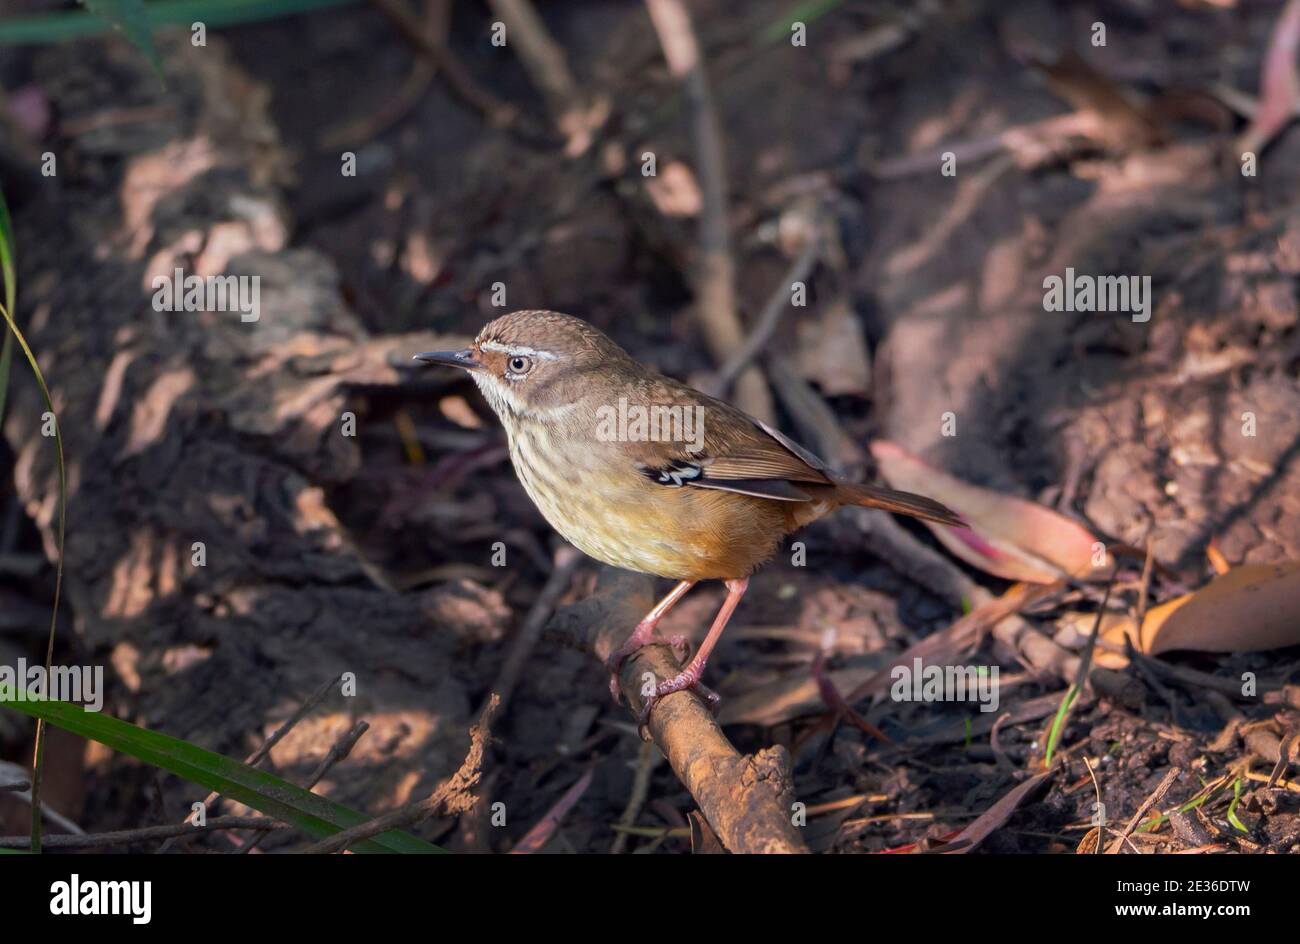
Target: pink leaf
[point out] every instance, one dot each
(1008, 536)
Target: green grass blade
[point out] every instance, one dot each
(1232, 807)
(802, 13)
(1058, 725)
(38, 753)
(1191, 804)
(10, 281)
(264, 792)
(1080, 676)
(130, 17)
(74, 24)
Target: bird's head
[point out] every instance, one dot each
(535, 364)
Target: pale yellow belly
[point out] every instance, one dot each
(629, 522)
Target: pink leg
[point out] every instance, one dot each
(644, 635)
(689, 677)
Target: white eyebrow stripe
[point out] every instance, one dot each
(516, 350)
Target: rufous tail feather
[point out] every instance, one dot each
(901, 503)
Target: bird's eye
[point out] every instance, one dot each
(520, 365)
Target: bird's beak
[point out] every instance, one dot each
(463, 359)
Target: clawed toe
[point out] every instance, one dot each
(711, 698)
(639, 639)
(688, 679)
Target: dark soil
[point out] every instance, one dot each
(374, 555)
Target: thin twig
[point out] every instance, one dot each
(770, 317)
(146, 834)
(454, 793)
(1279, 100)
(1101, 819)
(541, 56)
(259, 755)
(715, 288)
(339, 750)
(1057, 728)
(498, 113)
(16, 780)
(575, 115)
(647, 759)
(437, 20)
(564, 565)
(1157, 795)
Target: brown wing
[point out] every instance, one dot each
(736, 453)
(728, 450)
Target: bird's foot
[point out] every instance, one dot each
(642, 636)
(689, 677)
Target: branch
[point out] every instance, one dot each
(746, 798)
(498, 113)
(715, 283)
(578, 117)
(776, 306)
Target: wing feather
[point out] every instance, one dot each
(738, 453)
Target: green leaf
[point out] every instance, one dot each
(10, 282)
(264, 792)
(1058, 725)
(73, 24)
(1191, 804)
(130, 17)
(802, 13)
(1232, 807)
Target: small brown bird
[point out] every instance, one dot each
(647, 474)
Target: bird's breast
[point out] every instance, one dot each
(599, 502)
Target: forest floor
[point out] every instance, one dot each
(376, 554)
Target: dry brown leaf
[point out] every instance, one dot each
(1251, 608)
(1008, 536)
(992, 819)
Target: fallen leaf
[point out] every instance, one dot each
(1216, 558)
(1122, 126)
(1251, 608)
(1279, 82)
(996, 815)
(1008, 536)
(545, 828)
(704, 841)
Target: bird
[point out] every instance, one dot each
(645, 473)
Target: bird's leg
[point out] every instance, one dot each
(644, 635)
(689, 677)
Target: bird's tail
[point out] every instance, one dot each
(901, 503)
